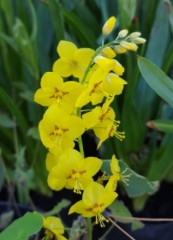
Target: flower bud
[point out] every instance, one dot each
(134, 35)
(122, 33)
(108, 52)
(139, 40)
(119, 49)
(129, 45)
(108, 26)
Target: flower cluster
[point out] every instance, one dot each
(80, 77)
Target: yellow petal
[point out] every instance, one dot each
(63, 67)
(66, 49)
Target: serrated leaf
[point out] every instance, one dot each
(156, 79)
(137, 184)
(23, 227)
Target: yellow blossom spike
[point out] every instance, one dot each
(108, 26)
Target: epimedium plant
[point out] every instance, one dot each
(83, 77)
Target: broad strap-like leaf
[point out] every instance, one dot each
(156, 79)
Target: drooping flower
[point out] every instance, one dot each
(102, 121)
(58, 129)
(109, 26)
(54, 91)
(100, 85)
(95, 200)
(108, 65)
(72, 61)
(73, 171)
(53, 228)
(116, 175)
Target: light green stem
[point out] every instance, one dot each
(113, 43)
(89, 229)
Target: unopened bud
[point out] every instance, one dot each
(129, 45)
(122, 33)
(134, 35)
(139, 40)
(119, 49)
(108, 52)
(108, 26)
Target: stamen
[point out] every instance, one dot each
(100, 220)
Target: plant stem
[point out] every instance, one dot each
(89, 228)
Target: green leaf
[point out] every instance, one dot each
(161, 125)
(161, 163)
(55, 9)
(122, 214)
(156, 79)
(137, 184)
(63, 204)
(126, 9)
(170, 12)
(84, 33)
(25, 47)
(14, 110)
(6, 121)
(23, 227)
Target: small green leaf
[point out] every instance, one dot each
(23, 227)
(157, 79)
(63, 204)
(161, 125)
(122, 214)
(137, 184)
(5, 121)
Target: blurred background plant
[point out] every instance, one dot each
(29, 33)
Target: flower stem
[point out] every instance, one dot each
(95, 54)
(89, 229)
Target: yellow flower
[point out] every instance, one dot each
(54, 91)
(95, 200)
(57, 128)
(109, 25)
(72, 61)
(108, 65)
(100, 85)
(52, 157)
(73, 171)
(110, 130)
(53, 228)
(116, 176)
(102, 121)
